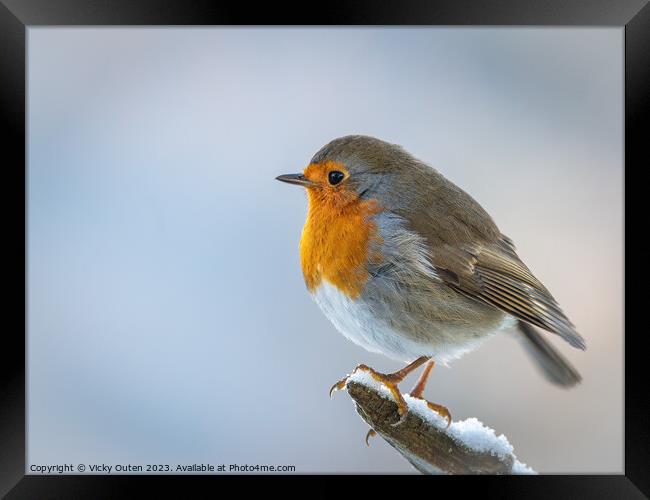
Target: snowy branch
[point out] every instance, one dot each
(466, 447)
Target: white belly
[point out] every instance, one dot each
(356, 321)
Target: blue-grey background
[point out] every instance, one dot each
(167, 317)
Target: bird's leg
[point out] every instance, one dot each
(390, 380)
(419, 386)
(417, 391)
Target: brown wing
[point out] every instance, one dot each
(472, 255)
(494, 274)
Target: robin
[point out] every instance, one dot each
(405, 263)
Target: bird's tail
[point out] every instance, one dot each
(555, 367)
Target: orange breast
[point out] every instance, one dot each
(337, 242)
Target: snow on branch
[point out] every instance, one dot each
(465, 447)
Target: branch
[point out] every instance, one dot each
(466, 447)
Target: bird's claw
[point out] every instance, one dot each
(403, 413)
(339, 385)
(371, 433)
(442, 411)
(390, 381)
(439, 409)
(343, 382)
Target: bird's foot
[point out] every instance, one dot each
(389, 380)
(439, 409)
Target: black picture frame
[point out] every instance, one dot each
(17, 15)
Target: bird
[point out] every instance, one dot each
(405, 263)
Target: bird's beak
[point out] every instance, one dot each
(299, 179)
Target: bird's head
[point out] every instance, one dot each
(352, 169)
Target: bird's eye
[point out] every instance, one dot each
(334, 177)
